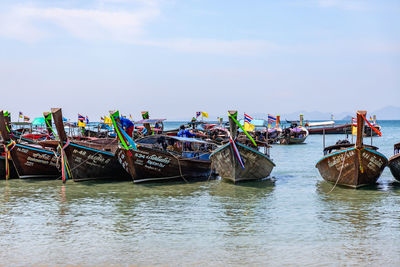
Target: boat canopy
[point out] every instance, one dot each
(150, 121)
(322, 123)
(38, 121)
(220, 128)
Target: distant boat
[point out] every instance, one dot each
(262, 131)
(275, 133)
(394, 162)
(236, 162)
(328, 127)
(368, 130)
(331, 127)
(352, 165)
(295, 134)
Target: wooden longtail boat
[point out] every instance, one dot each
(394, 162)
(294, 134)
(275, 133)
(89, 160)
(328, 127)
(368, 130)
(163, 158)
(30, 160)
(228, 159)
(352, 165)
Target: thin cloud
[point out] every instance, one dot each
(32, 24)
(27, 23)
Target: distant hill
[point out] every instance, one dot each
(347, 118)
(313, 115)
(388, 113)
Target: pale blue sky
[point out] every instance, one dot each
(175, 57)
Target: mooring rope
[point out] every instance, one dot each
(340, 173)
(70, 170)
(179, 164)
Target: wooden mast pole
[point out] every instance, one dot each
(360, 128)
(58, 121)
(232, 125)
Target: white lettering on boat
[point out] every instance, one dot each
(338, 158)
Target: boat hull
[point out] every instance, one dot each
(292, 140)
(151, 165)
(361, 167)
(257, 165)
(394, 166)
(91, 164)
(34, 162)
(340, 129)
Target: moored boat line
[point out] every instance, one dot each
(148, 153)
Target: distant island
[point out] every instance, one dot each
(386, 113)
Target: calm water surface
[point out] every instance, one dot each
(290, 219)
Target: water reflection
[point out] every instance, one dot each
(290, 221)
(353, 219)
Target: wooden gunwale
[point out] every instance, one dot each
(37, 149)
(348, 149)
(92, 149)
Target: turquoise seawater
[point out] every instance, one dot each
(290, 219)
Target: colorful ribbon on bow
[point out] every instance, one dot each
(7, 156)
(236, 152)
(65, 171)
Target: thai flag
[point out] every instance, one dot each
(87, 120)
(236, 151)
(354, 121)
(198, 114)
(81, 118)
(247, 118)
(271, 118)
